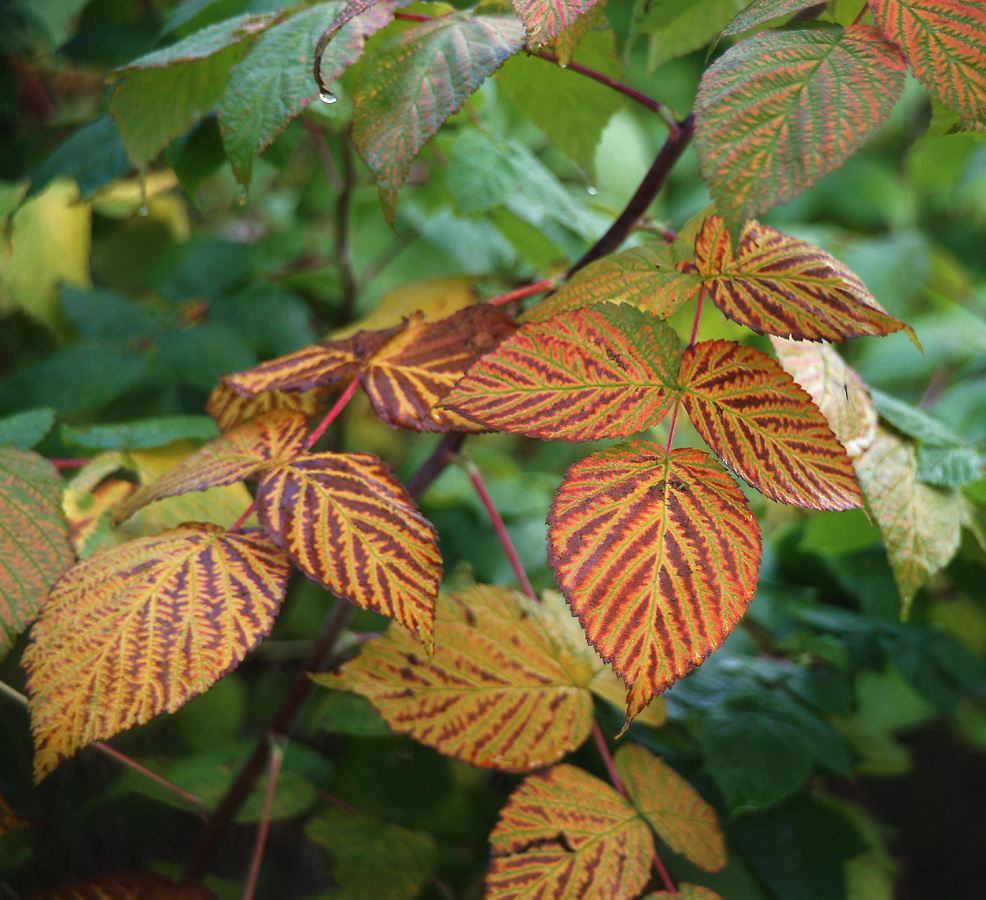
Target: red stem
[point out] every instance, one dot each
(69, 463)
(862, 12)
(691, 343)
(333, 413)
(501, 530)
(520, 293)
(674, 421)
(273, 771)
(245, 516)
(413, 17)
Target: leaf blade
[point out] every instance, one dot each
(544, 20)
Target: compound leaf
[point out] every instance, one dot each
(142, 886)
(139, 629)
(34, 542)
(945, 43)
(274, 437)
(508, 687)
(646, 277)
(764, 427)
(835, 388)
(672, 807)
(779, 285)
(416, 81)
(547, 19)
(347, 522)
(657, 554)
(565, 833)
(605, 371)
(920, 524)
(768, 98)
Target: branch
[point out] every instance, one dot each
(273, 772)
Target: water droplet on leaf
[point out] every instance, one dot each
(591, 190)
(327, 97)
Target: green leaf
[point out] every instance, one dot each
(571, 110)
(94, 156)
(760, 12)
(949, 466)
(676, 29)
(546, 19)
(25, 429)
(109, 315)
(767, 98)
(162, 94)
(913, 422)
(416, 81)
(200, 356)
(142, 434)
(274, 84)
(606, 371)
(373, 860)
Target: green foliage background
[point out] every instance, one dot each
(843, 747)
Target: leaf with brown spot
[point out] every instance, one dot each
(605, 371)
(9, 820)
(509, 685)
(142, 886)
(764, 427)
(347, 522)
(672, 807)
(229, 408)
(270, 439)
(34, 541)
(776, 284)
(835, 388)
(657, 554)
(139, 629)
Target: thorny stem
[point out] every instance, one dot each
(120, 758)
(333, 413)
(500, 528)
(273, 771)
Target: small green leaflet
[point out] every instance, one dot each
(765, 427)
(657, 554)
(416, 81)
(564, 833)
(546, 19)
(760, 12)
(675, 29)
(945, 43)
(25, 429)
(143, 434)
(605, 371)
(767, 98)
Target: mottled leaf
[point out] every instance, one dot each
(34, 544)
(272, 438)
(657, 555)
(779, 285)
(9, 820)
(606, 371)
(564, 833)
(547, 19)
(347, 522)
(646, 277)
(764, 427)
(142, 886)
(229, 408)
(835, 388)
(760, 12)
(945, 43)
(138, 629)
(768, 98)
(686, 892)
(920, 524)
(672, 807)
(509, 685)
(416, 81)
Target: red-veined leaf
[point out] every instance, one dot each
(760, 12)
(686, 892)
(34, 542)
(415, 369)
(920, 524)
(672, 807)
(229, 408)
(9, 820)
(547, 19)
(657, 555)
(416, 81)
(274, 437)
(509, 685)
(347, 522)
(945, 43)
(835, 388)
(564, 833)
(764, 427)
(768, 98)
(646, 277)
(139, 629)
(605, 371)
(142, 886)
(566, 43)
(779, 285)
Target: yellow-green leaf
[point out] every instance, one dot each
(565, 834)
(138, 629)
(272, 438)
(672, 807)
(34, 541)
(657, 555)
(508, 686)
(347, 522)
(138, 886)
